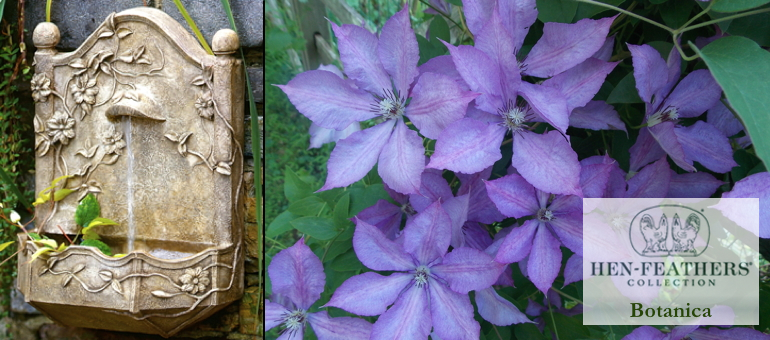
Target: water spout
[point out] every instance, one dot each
(129, 186)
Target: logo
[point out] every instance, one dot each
(669, 229)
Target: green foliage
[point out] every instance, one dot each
(556, 10)
(103, 247)
(87, 210)
(737, 5)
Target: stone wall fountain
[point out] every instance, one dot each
(142, 117)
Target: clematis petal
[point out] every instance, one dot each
(650, 71)
(596, 115)
(562, 204)
(756, 185)
(721, 118)
(645, 333)
(321, 135)
(476, 236)
(693, 185)
(547, 162)
(569, 228)
(573, 271)
(398, 50)
(409, 318)
(580, 83)
(518, 243)
(452, 314)
(298, 335)
(497, 310)
(646, 150)
(468, 146)
(433, 187)
(549, 103)
(436, 102)
(467, 269)
(273, 314)
(605, 52)
(353, 157)
(480, 207)
(595, 176)
(705, 144)
(327, 100)
(343, 328)
(477, 13)
(356, 295)
(402, 160)
(695, 94)
(297, 273)
(480, 73)
(428, 234)
(652, 181)
(513, 196)
(518, 16)
(358, 53)
(737, 333)
(566, 45)
(457, 209)
(668, 140)
(384, 215)
(377, 252)
(444, 65)
(544, 260)
(497, 44)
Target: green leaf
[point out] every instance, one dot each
(320, 228)
(280, 224)
(337, 248)
(5, 178)
(728, 6)
(362, 198)
(308, 206)
(556, 10)
(755, 27)
(193, 26)
(60, 194)
(341, 211)
(346, 262)
(87, 210)
(455, 2)
(585, 10)
(35, 236)
(568, 328)
(6, 244)
(528, 331)
(742, 68)
(676, 13)
(438, 30)
(293, 187)
(625, 92)
(428, 50)
(103, 247)
(2, 6)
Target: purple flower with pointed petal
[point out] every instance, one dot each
(695, 94)
(298, 280)
(429, 287)
(551, 301)
(696, 333)
(725, 121)
(387, 86)
(754, 186)
(562, 216)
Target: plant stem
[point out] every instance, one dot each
(708, 8)
(631, 14)
(567, 296)
(553, 321)
(711, 22)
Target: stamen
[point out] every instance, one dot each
(666, 115)
(545, 215)
(421, 276)
(408, 209)
(294, 321)
(514, 116)
(389, 106)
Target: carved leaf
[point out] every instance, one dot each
(106, 68)
(124, 32)
(105, 275)
(223, 168)
(88, 153)
(199, 81)
(172, 137)
(44, 147)
(184, 136)
(126, 58)
(78, 268)
(162, 294)
(116, 286)
(42, 271)
(110, 161)
(143, 60)
(80, 71)
(38, 125)
(51, 262)
(77, 63)
(139, 52)
(131, 95)
(106, 34)
(66, 281)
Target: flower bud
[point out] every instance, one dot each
(15, 216)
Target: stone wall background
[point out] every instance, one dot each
(76, 20)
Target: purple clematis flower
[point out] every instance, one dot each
(754, 186)
(387, 87)
(515, 197)
(298, 280)
(696, 93)
(696, 333)
(546, 160)
(429, 287)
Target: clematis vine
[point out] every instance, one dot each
(387, 87)
(298, 280)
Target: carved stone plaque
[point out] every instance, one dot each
(142, 117)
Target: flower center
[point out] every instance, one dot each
(666, 115)
(389, 106)
(421, 276)
(408, 209)
(514, 117)
(545, 215)
(294, 321)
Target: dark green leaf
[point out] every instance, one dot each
(568, 328)
(755, 27)
(438, 29)
(280, 224)
(320, 228)
(346, 262)
(676, 13)
(362, 198)
(428, 50)
(342, 211)
(556, 10)
(293, 187)
(337, 248)
(528, 331)
(742, 68)
(5, 178)
(87, 210)
(455, 2)
(625, 91)
(308, 206)
(657, 2)
(737, 5)
(103, 247)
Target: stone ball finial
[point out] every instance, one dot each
(46, 35)
(225, 42)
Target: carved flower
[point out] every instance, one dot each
(205, 105)
(84, 91)
(61, 128)
(113, 141)
(195, 280)
(41, 87)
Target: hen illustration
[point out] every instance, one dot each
(654, 236)
(684, 237)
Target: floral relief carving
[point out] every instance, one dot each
(194, 281)
(61, 128)
(41, 87)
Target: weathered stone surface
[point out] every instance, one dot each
(249, 306)
(256, 76)
(18, 305)
(78, 19)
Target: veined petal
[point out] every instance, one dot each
(573, 270)
(457, 209)
(580, 83)
(467, 269)
(693, 185)
(547, 162)
(273, 314)
(452, 314)
(549, 103)
(595, 176)
(513, 196)
(477, 13)
(343, 328)
(436, 102)
(468, 146)
(358, 53)
(384, 215)
(402, 160)
(566, 45)
(428, 234)
(377, 252)
(646, 150)
(496, 43)
(321, 135)
(480, 207)
(705, 144)
(756, 185)
(297, 273)
(353, 157)
(650, 71)
(477, 69)
(327, 100)
(408, 319)
(370, 293)
(518, 16)
(695, 94)
(645, 333)
(398, 50)
(518, 243)
(737, 333)
(544, 260)
(497, 310)
(721, 118)
(652, 181)
(596, 115)
(432, 188)
(444, 65)
(569, 228)
(666, 136)
(605, 52)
